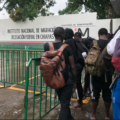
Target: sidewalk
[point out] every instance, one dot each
(80, 115)
(12, 107)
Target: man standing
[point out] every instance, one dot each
(101, 83)
(86, 43)
(112, 53)
(71, 42)
(64, 93)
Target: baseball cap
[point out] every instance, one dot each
(77, 34)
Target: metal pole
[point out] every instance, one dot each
(26, 94)
(40, 94)
(34, 89)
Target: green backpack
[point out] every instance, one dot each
(94, 63)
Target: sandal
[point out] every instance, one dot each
(87, 115)
(107, 119)
(75, 107)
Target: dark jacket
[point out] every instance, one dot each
(70, 41)
(87, 42)
(82, 47)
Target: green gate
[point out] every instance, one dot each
(48, 98)
(21, 67)
(13, 66)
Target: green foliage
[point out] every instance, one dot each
(103, 8)
(72, 8)
(20, 10)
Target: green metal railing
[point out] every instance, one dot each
(13, 66)
(48, 98)
(21, 67)
(22, 46)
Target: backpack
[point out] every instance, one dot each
(116, 56)
(93, 62)
(53, 67)
(80, 50)
(107, 59)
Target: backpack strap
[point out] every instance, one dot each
(85, 47)
(95, 44)
(51, 47)
(63, 47)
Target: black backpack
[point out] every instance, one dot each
(80, 50)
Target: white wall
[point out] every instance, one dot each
(105, 23)
(76, 22)
(116, 24)
(83, 21)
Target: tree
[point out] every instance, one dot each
(20, 10)
(103, 8)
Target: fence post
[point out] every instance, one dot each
(34, 88)
(3, 69)
(26, 93)
(40, 94)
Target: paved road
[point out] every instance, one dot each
(80, 115)
(12, 106)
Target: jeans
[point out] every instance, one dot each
(64, 95)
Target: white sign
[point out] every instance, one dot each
(41, 29)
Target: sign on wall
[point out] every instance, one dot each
(41, 29)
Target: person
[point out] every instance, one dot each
(78, 36)
(70, 41)
(87, 42)
(86, 90)
(108, 54)
(110, 36)
(101, 83)
(65, 93)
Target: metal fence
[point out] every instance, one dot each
(48, 99)
(14, 69)
(13, 66)
(21, 67)
(22, 46)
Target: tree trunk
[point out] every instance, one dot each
(110, 12)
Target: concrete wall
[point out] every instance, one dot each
(41, 29)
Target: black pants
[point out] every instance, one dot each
(79, 85)
(87, 82)
(64, 95)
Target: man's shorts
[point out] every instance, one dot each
(98, 84)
